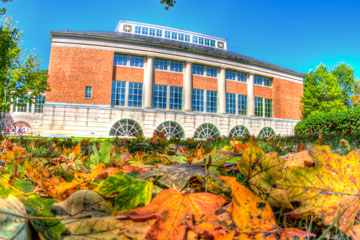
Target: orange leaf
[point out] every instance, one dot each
(173, 210)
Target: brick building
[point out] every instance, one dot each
(145, 77)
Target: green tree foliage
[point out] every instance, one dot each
(346, 79)
(19, 69)
(355, 98)
(3, 10)
(168, 3)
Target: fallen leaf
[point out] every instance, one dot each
(299, 159)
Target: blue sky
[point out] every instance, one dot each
(295, 34)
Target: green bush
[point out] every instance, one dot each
(332, 122)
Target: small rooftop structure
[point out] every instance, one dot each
(176, 34)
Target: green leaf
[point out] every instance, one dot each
(6, 189)
(13, 219)
(127, 192)
(103, 154)
(37, 206)
(82, 204)
(23, 185)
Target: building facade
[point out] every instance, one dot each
(145, 77)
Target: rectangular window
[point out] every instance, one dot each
(144, 30)
(88, 92)
(158, 32)
(118, 93)
(195, 39)
(167, 34)
(201, 41)
(152, 32)
(173, 35)
(160, 95)
(230, 75)
(39, 104)
(198, 100)
(212, 43)
(120, 60)
(241, 77)
(207, 42)
(187, 38)
(137, 29)
(267, 82)
(198, 69)
(135, 94)
(268, 107)
(211, 72)
(211, 101)
(242, 104)
(161, 64)
(231, 103)
(259, 103)
(136, 61)
(181, 37)
(175, 98)
(21, 104)
(258, 80)
(176, 66)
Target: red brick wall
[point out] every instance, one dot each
(168, 78)
(286, 99)
(236, 87)
(129, 74)
(265, 92)
(206, 83)
(71, 69)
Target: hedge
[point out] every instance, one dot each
(332, 122)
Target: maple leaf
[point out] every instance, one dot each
(174, 210)
(238, 145)
(254, 216)
(262, 172)
(328, 189)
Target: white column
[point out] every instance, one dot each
(251, 96)
(222, 92)
(187, 87)
(148, 82)
(33, 107)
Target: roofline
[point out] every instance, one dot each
(102, 36)
(171, 29)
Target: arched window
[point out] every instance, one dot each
(239, 131)
(125, 128)
(266, 132)
(206, 130)
(171, 129)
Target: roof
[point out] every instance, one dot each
(129, 37)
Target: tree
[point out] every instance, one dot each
(168, 3)
(3, 10)
(346, 79)
(355, 98)
(19, 70)
(322, 92)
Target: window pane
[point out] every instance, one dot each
(211, 72)
(161, 64)
(181, 37)
(230, 103)
(88, 92)
(160, 94)
(242, 104)
(135, 94)
(174, 35)
(167, 34)
(207, 42)
(230, 75)
(118, 93)
(137, 29)
(198, 69)
(201, 41)
(144, 30)
(258, 80)
(136, 61)
(241, 77)
(259, 106)
(176, 98)
(187, 38)
(212, 43)
(39, 104)
(120, 60)
(198, 100)
(211, 101)
(158, 33)
(176, 66)
(152, 32)
(267, 82)
(195, 39)
(268, 107)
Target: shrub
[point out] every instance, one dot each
(333, 122)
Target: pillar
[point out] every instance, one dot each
(251, 96)
(148, 82)
(222, 92)
(187, 87)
